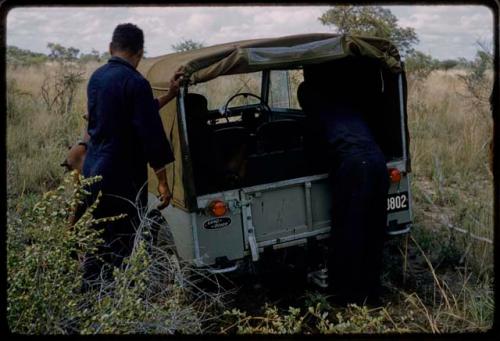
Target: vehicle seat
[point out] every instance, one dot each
(196, 106)
(279, 135)
(228, 148)
(199, 132)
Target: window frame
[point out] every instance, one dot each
(266, 88)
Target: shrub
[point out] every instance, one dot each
(317, 319)
(152, 293)
(43, 275)
(478, 80)
(20, 57)
(448, 64)
(59, 89)
(419, 66)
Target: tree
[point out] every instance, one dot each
(463, 63)
(105, 56)
(419, 65)
(478, 79)
(186, 45)
(448, 64)
(92, 56)
(59, 87)
(61, 53)
(16, 56)
(372, 21)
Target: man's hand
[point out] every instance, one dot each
(165, 195)
(175, 82)
(75, 158)
(173, 88)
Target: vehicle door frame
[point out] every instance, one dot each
(187, 164)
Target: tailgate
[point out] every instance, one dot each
(283, 212)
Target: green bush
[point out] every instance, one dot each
(419, 66)
(44, 277)
(151, 293)
(478, 79)
(20, 57)
(318, 319)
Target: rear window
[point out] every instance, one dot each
(283, 88)
(218, 90)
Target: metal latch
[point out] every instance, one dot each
(235, 205)
(245, 205)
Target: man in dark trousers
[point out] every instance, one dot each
(337, 99)
(126, 133)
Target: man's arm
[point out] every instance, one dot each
(163, 189)
(149, 128)
(173, 89)
(161, 174)
(76, 154)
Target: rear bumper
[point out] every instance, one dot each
(277, 215)
(399, 229)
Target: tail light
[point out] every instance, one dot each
(395, 175)
(217, 208)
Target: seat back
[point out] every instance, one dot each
(279, 135)
(196, 106)
(226, 142)
(228, 148)
(199, 132)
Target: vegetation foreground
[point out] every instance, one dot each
(438, 279)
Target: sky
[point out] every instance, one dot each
(445, 32)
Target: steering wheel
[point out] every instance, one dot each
(263, 105)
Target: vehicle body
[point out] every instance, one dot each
(282, 201)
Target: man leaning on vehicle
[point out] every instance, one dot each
(337, 100)
(126, 134)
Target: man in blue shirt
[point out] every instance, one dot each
(339, 99)
(126, 133)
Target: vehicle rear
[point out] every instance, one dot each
(283, 197)
(245, 178)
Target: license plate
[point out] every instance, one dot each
(397, 202)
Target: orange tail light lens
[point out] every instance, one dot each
(217, 208)
(395, 175)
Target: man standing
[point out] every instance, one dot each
(339, 98)
(126, 133)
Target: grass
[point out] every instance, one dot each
(453, 186)
(438, 280)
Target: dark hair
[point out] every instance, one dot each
(127, 37)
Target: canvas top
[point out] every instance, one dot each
(246, 56)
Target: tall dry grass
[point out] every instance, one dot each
(453, 186)
(447, 130)
(451, 264)
(37, 139)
